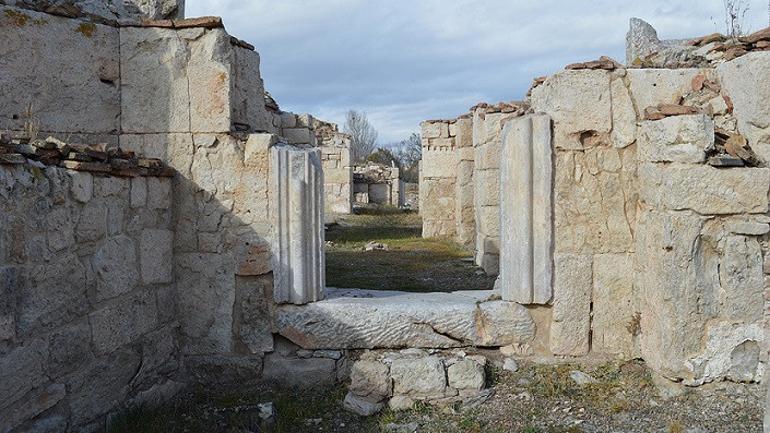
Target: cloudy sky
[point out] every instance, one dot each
(403, 61)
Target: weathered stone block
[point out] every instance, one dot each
(21, 370)
(651, 87)
(98, 387)
(206, 310)
(116, 267)
(466, 375)
(434, 129)
(230, 370)
(623, 114)
(298, 135)
(571, 304)
(138, 192)
(51, 294)
(159, 193)
(704, 189)
(370, 380)
(68, 82)
(122, 323)
(613, 304)
(69, 348)
(362, 319)
(156, 253)
(305, 372)
(82, 186)
(739, 79)
(421, 377)
(578, 102)
(676, 139)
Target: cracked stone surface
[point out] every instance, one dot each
(365, 319)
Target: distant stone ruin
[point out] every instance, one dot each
(377, 184)
(162, 224)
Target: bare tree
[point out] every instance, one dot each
(409, 154)
(363, 134)
(735, 15)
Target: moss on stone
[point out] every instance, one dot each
(17, 18)
(87, 29)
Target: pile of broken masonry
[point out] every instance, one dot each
(97, 159)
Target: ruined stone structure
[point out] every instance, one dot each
(632, 204)
(460, 179)
(169, 233)
(377, 184)
(306, 130)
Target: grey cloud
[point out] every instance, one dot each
(404, 61)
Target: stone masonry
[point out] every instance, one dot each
(658, 224)
(169, 233)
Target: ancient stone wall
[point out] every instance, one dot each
(658, 187)
(438, 179)
(87, 316)
(656, 199)
(337, 167)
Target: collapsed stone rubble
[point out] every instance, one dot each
(79, 157)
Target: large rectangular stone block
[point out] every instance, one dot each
(123, 322)
(676, 139)
(156, 254)
(571, 305)
(651, 87)
(613, 304)
(69, 80)
(578, 102)
(526, 259)
(704, 189)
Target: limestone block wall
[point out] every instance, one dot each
(87, 296)
(650, 234)
(487, 144)
(337, 167)
(438, 179)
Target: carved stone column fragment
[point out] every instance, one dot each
(298, 240)
(526, 174)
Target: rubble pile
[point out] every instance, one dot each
(79, 157)
(645, 50)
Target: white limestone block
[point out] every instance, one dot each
(577, 101)
(744, 81)
(571, 305)
(704, 189)
(361, 319)
(676, 139)
(68, 81)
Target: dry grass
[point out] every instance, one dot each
(411, 263)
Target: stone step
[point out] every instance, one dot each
(368, 319)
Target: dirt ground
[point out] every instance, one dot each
(535, 399)
(411, 263)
